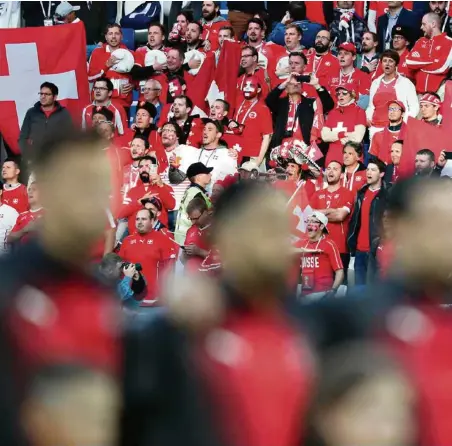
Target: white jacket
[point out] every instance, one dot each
(405, 92)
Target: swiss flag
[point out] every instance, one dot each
(224, 86)
(31, 56)
(446, 107)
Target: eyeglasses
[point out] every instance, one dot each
(100, 88)
(45, 94)
(398, 38)
(394, 109)
(246, 55)
(194, 218)
(151, 89)
(323, 38)
(342, 93)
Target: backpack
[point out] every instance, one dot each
(142, 16)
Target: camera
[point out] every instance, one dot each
(138, 266)
(303, 78)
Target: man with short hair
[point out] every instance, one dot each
(219, 111)
(139, 147)
(14, 193)
(193, 37)
(429, 105)
(320, 60)
(425, 164)
(363, 235)
(336, 203)
(8, 218)
(382, 141)
(25, 223)
(211, 22)
(368, 60)
(152, 90)
(440, 9)
(151, 249)
(103, 91)
(430, 56)
(225, 33)
(354, 170)
(143, 125)
(200, 178)
(46, 117)
(190, 125)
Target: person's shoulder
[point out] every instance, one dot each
(9, 210)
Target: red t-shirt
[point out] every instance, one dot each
(382, 142)
(358, 80)
(364, 231)
(354, 181)
(385, 93)
(341, 198)
(324, 67)
(16, 196)
(385, 256)
(195, 236)
(25, 219)
(317, 270)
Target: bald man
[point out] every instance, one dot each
(431, 55)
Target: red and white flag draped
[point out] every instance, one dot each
(31, 56)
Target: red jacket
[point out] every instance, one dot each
(16, 196)
(325, 67)
(431, 59)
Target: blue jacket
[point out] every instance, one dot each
(310, 30)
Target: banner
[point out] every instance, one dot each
(31, 56)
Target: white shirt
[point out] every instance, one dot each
(8, 217)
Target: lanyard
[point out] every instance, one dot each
(346, 76)
(208, 159)
(247, 112)
(48, 9)
(351, 178)
(316, 246)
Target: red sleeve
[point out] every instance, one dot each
(123, 249)
(361, 117)
(310, 189)
(21, 222)
(129, 205)
(165, 194)
(334, 255)
(192, 236)
(96, 66)
(314, 201)
(347, 199)
(139, 57)
(418, 57)
(376, 144)
(265, 121)
(364, 83)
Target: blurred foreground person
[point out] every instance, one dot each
(220, 384)
(59, 348)
(363, 398)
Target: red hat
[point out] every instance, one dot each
(348, 46)
(347, 87)
(430, 99)
(399, 103)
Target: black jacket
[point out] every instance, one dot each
(305, 113)
(37, 126)
(94, 18)
(377, 208)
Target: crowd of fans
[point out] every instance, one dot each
(192, 194)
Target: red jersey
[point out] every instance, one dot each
(120, 118)
(130, 178)
(364, 230)
(430, 58)
(195, 236)
(382, 142)
(354, 181)
(358, 80)
(324, 67)
(97, 68)
(257, 121)
(211, 265)
(342, 120)
(317, 270)
(130, 205)
(263, 81)
(402, 68)
(385, 93)
(16, 196)
(152, 251)
(25, 219)
(341, 198)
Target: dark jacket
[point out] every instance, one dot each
(94, 18)
(305, 113)
(37, 126)
(388, 174)
(377, 208)
(355, 31)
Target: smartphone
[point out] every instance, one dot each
(303, 78)
(448, 155)
(153, 169)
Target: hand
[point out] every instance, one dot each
(133, 127)
(194, 63)
(156, 179)
(111, 61)
(329, 294)
(314, 171)
(146, 196)
(233, 125)
(442, 159)
(314, 81)
(371, 66)
(159, 66)
(126, 88)
(369, 123)
(207, 45)
(286, 19)
(130, 270)
(191, 250)
(233, 153)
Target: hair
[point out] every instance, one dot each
(392, 54)
(113, 25)
(228, 28)
(226, 104)
(257, 22)
(110, 260)
(179, 51)
(52, 87)
(297, 11)
(188, 101)
(198, 24)
(188, 14)
(148, 158)
(197, 204)
(433, 17)
(158, 25)
(374, 35)
(106, 113)
(107, 81)
(156, 83)
(354, 145)
(299, 54)
(253, 50)
(379, 163)
(179, 132)
(10, 159)
(296, 28)
(142, 138)
(427, 152)
(151, 214)
(398, 141)
(264, 15)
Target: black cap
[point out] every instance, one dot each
(197, 169)
(403, 31)
(150, 108)
(105, 112)
(217, 124)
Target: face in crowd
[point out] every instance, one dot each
(350, 156)
(180, 109)
(217, 111)
(138, 148)
(293, 171)
(396, 153)
(343, 96)
(333, 173)
(144, 221)
(209, 11)
(210, 134)
(169, 135)
(155, 37)
(395, 114)
(113, 37)
(46, 97)
(296, 64)
(322, 42)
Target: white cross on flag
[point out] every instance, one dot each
(31, 56)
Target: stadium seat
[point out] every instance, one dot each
(128, 38)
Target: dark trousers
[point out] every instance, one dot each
(361, 267)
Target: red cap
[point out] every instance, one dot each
(399, 103)
(430, 98)
(344, 87)
(348, 46)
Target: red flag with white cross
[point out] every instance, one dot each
(31, 56)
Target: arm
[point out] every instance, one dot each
(371, 108)
(338, 279)
(165, 194)
(329, 135)
(25, 133)
(264, 147)
(110, 237)
(141, 73)
(418, 58)
(337, 215)
(96, 68)
(326, 99)
(357, 135)
(412, 100)
(130, 205)
(272, 100)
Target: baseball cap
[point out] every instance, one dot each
(344, 87)
(430, 99)
(198, 169)
(150, 108)
(216, 123)
(348, 46)
(65, 8)
(399, 103)
(322, 218)
(249, 166)
(401, 31)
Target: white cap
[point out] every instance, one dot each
(65, 8)
(322, 218)
(249, 166)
